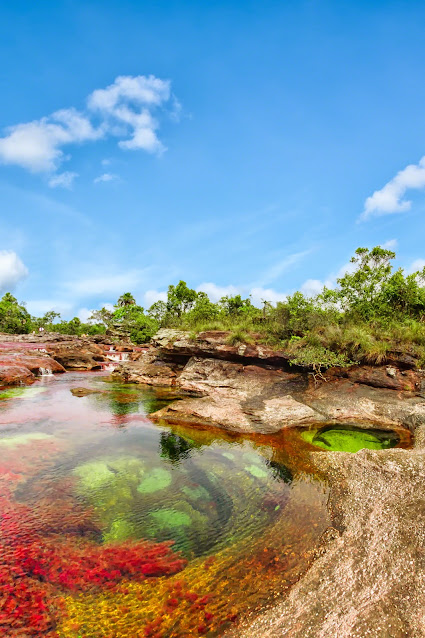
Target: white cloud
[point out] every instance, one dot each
(105, 284)
(151, 296)
(36, 145)
(129, 101)
(312, 287)
(106, 177)
(418, 264)
(38, 307)
(138, 89)
(64, 180)
(390, 244)
(259, 295)
(389, 199)
(125, 109)
(12, 270)
(215, 292)
(83, 314)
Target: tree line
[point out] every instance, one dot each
(371, 308)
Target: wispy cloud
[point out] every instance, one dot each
(390, 198)
(279, 268)
(106, 177)
(390, 244)
(418, 264)
(38, 307)
(12, 270)
(64, 180)
(127, 109)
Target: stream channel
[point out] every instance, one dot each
(114, 527)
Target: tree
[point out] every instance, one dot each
(102, 316)
(180, 299)
(204, 309)
(158, 310)
(14, 317)
(126, 299)
(131, 318)
(361, 292)
(405, 295)
(237, 306)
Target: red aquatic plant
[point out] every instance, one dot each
(36, 569)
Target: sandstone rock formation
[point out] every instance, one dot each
(254, 389)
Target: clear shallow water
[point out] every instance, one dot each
(115, 527)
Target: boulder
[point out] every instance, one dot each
(15, 375)
(77, 354)
(83, 392)
(36, 363)
(380, 377)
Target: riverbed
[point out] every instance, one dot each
(115, 527)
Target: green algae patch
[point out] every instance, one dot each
(157, 479)
(23, 439)
(348, 438)
(120, 530)
(21, 393)
(168, 519)
(111, 471)
(94, 474)
(256, 471)
(252, 457)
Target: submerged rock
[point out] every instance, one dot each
(83, 392)
(157, 479)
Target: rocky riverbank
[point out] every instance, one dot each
(252, 388)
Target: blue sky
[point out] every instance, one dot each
(241, 146)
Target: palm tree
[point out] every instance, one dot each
(126, 299)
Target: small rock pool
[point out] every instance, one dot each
(114, 527)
